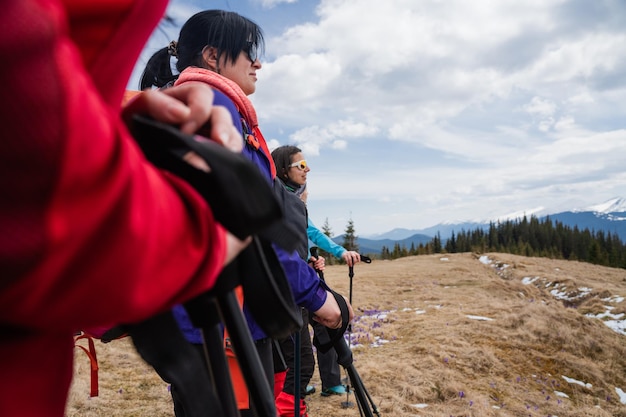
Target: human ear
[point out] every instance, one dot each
(209, 58)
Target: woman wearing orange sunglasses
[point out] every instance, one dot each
(292, 170)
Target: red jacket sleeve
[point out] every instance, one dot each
(91, 233)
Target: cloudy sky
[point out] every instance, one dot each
(416, 112)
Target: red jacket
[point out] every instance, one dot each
(90, 233)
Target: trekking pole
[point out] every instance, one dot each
(213, 344)
(296, 376)
(334, 339)
(365, 259)
(346, 403)
(249, 362)
(314, 254)
(360, 391)
(225, 306)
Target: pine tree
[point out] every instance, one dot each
(326, 228)
(330, 259)
(349, 237)
(531, 237)
(437, 243)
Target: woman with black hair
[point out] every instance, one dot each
(221, 49)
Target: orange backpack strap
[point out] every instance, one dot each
(93, 361)
(239, 384)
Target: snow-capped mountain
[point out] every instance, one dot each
(609, 216)
(395, 234)
(614, 205)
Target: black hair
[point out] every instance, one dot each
(282, 159)
(228, 32)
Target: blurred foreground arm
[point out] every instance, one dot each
(92, 233)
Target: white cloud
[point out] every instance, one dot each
(453, 110)
(268, 4)
(540, 106)
(312, 138)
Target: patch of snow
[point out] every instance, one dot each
(617, 325)
(614, 205)
(529, 280)
(574, 381)
(615, 218)
(561, 295)
(622, 395)
(561, 394)
(479, 318)
(606, 314)
(420, 311)
(561, 292)
(613, 299)
(565, 295)
(520, 214)
(419, 405)
(444, 259)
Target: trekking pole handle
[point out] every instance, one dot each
(314, 254)
(365, 259)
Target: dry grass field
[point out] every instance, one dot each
(443, 335)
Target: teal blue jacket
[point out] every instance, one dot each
(319, 239)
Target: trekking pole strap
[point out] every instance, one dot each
(324, 341)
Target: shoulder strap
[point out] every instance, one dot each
(93, 360)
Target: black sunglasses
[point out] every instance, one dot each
(252, 51)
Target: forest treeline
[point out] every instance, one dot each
(526, 237)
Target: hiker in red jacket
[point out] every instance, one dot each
(92, 234)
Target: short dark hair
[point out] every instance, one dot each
(228, 32)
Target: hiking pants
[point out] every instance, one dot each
(307, 361)
(264, 349)
(330, 373)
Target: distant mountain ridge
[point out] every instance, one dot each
(375, 246)
(609, 217)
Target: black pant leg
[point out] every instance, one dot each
(179, 409)
(329, 370)
(307, 360)
(264, 349)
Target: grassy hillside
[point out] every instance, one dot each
(443, 335)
